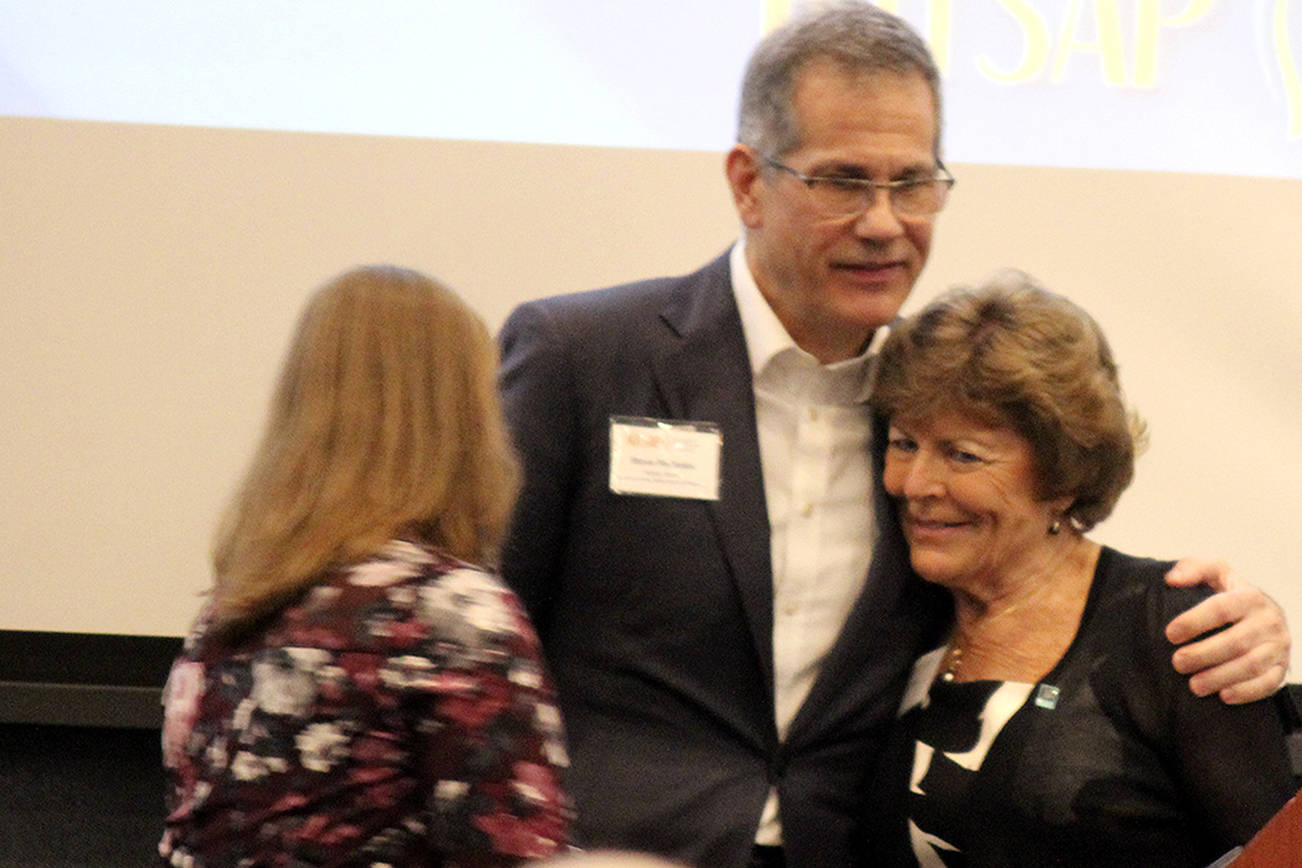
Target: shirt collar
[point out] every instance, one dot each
(766, 337)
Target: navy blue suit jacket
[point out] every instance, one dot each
(656, 613)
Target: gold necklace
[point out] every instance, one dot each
(949, 665)
(953, 659)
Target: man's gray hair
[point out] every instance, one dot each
(857, 36)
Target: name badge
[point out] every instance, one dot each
(665, 458)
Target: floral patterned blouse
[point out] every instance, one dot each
(397, 714)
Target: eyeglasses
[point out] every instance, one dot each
(843, 196)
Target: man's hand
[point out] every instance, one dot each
(1246, 661)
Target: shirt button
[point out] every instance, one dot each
(790, 609)
(806, 510)
(813, 414)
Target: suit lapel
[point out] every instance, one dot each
(704, 375)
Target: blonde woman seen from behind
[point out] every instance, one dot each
(358, 689)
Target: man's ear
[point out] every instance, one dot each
(742, 166)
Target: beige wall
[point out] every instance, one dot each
(149, 277)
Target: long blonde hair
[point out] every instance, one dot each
(385, 423)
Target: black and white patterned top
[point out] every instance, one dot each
(1109, 760)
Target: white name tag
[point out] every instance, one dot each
(665, 458)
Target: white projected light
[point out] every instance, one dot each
(1177, 85)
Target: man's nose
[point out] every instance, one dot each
(878, 219)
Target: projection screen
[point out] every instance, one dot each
(178, 175)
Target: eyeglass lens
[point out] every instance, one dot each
(917, 199)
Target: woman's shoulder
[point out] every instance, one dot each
(1138, 585)
(1124, 638)
(401, 563)
(407, 597)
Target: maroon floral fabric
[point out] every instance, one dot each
(397, 714)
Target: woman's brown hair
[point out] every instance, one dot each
(385, 423)
(1011, 353)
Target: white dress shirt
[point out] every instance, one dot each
(814, 431)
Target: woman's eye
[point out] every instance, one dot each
(963, 457)
(901, 444)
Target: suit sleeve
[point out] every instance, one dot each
(538, 400)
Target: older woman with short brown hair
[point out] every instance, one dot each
(1050, 727)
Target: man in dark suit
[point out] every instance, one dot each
(722, 593)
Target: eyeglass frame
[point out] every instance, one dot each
(941, 174)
